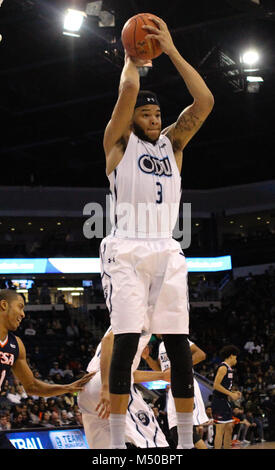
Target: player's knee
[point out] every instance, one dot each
(124, 350)
(179, 353)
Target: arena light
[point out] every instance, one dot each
(250, 57)
(73, 21)
(254, 79)
(70, 288)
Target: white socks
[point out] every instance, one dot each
(185, 430)
(117, 430)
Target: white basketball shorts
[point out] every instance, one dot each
(145, 285)
(199, 414)
(142, 428)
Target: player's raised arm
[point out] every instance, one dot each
(192, 117)
(119, 124)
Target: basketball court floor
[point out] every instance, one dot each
(260, 445)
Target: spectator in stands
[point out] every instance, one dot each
(49, 329)
(241, 425)
(270, 377)
(30, 331)
(17, 422)
(77, 420)
(37, 356)
(209, 428)
(52, 405)
(45, 297)
(21, 392)
(250, 345)
(13, 396)
(61, 299)
(70, 412)
(56, 370)
(269, 407)
(33, 295)
(34, 414)
(26, 421)
(56, 325)
(256, 428)
(46, 419)
(68, 373)
(54, 419)
(64, 419)
(5, 423)
(58, 378)
(72, 330)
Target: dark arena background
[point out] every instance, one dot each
(58, 90)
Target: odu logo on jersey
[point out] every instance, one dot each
(143, 417)
(153, 165)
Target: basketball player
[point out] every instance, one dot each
(221, 407)
(142, 428)
(199, 415)
(13, 355)
(144, 272)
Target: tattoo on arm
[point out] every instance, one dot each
(188, 122)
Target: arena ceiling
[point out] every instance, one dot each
(58, 92)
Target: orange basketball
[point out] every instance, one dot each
(133, 37)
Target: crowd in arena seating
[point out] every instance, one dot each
(59, 349)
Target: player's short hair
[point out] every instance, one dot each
(8, 294)
(226, 351)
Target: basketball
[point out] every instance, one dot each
(133, 37)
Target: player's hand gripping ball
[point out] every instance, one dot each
(133, 37)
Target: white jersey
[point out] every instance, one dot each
(142, 428)
(94, 364)
(199, 414)
(146, 190)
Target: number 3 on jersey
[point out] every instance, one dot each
(159, 193)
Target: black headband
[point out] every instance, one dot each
(146, 97)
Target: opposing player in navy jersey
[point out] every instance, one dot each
(221, 406)
(144, 272)
(13, 355)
